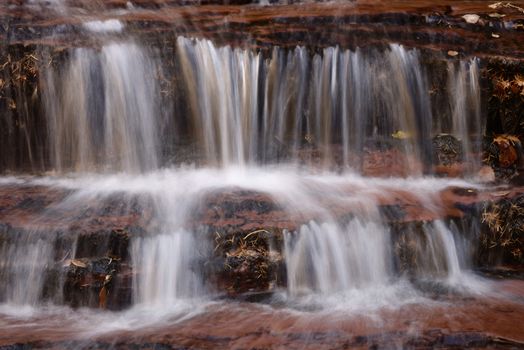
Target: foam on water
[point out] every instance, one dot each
(176, 192)
(107, 26)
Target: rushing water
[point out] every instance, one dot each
(292, 124)
(324, 257)
(102, 108)
(292, 108)
(105, 111)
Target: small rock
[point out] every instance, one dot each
(471, 18)
(486, 174)
(507, 151)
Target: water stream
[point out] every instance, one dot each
(295, 125)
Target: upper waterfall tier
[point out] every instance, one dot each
(125, 107)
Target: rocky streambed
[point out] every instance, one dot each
(237, 175)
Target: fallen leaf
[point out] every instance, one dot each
(519, 80)
(513, 138)
(495, 35)
(402, 135)
(501, 194)
(496, 15)
(452, 53)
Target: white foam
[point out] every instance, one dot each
(107, 26)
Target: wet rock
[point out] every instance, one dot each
(389, 162)
(504, 154)
(249, 262)
(502, 272)
(447, 150)
(92, 283)
(448, 156)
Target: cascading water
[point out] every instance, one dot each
(464, 90)
(23, 269)
(248, 111)
(102, 109)
(330, 258)
(293, 175)
(269, 110)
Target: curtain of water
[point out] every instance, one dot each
(24, 262)
(102, 109)
(464, 99)
(333, 102)
(103, 115)
(329, 257)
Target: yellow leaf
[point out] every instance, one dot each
(402, 135)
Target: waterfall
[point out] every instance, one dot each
(329, 258)
(24, 262)
(464, 97)
(102, 109)
(166, 271)
(248, 109)
(105, 109)
(265, 121)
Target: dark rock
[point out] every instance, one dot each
(447, 150)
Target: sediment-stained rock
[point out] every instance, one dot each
(459, 323)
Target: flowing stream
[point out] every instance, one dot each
(295, 125)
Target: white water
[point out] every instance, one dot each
(247, 109)
(107, 26)
(277, 125)
(464, 97)
(23, 265)
(106, 112)
(165, 263)
(101, 110)
(324, 257)
(331, 258)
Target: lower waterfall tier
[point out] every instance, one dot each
(113, 241)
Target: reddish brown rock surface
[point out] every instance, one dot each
(430, 24)
(478, 322)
